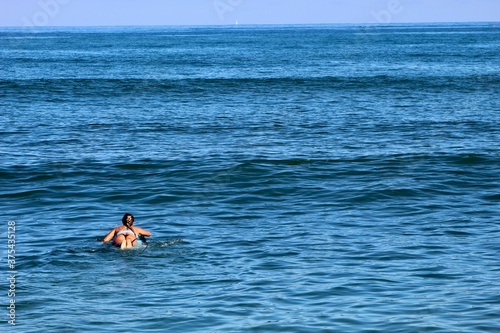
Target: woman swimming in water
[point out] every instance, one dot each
(126, 236)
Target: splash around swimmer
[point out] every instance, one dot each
(126, 236)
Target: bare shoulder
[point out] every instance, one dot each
(142, 231)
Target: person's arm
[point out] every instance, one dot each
(109, 236)
(143, 232)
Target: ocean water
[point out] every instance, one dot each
(295, 178)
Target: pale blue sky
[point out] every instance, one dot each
(208, 12)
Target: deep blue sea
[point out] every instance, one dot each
(334, 178)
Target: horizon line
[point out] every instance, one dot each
(249, 24)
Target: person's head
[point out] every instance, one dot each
(128, 219)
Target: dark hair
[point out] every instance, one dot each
(124, 219)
